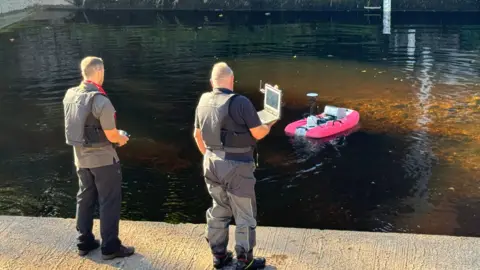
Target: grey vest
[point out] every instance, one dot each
(81, 126)
(219, 130)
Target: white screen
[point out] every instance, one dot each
(273, 98)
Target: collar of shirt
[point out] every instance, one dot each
(224, 90)
(99, 87)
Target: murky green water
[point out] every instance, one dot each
(412, 166)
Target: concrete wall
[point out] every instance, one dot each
(304, 5)
(14, 5)
(7, 6)
(258, 5)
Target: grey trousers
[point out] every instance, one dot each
(101, 184)
(231, 185)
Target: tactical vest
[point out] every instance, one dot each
(81, 126)
(219, 130)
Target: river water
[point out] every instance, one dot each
(411, 165)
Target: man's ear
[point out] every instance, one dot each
(211, 83)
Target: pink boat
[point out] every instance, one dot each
(332, 121)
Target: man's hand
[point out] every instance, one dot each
(122, 140)
(114, 136)
(271, 123)
(261, 131)
(197, 135)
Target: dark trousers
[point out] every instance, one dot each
(101, 184)
(231, 184)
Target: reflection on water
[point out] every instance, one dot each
(411, 165)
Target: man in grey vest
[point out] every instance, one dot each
(91, 129)
(227, 127)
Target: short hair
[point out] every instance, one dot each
(221, 71)
(90, 64)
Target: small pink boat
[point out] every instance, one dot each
(332, 121)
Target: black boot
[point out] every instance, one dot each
(85, 248)
(220, 261)
(254, 263)
(122, 252)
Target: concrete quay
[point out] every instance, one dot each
(49, 243)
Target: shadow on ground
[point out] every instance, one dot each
(136, 261)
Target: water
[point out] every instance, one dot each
(411, 166)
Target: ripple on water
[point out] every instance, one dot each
(413, 88)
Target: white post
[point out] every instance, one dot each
(387, 7)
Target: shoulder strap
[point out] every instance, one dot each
(92, 100)
(229, 106)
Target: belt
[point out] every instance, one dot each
(232, 150)
(221, 154)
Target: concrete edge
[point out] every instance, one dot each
(72, 7)
(357, 10)
(187, 224)
(13, 17)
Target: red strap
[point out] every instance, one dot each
(101, 90)
(99, 87)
